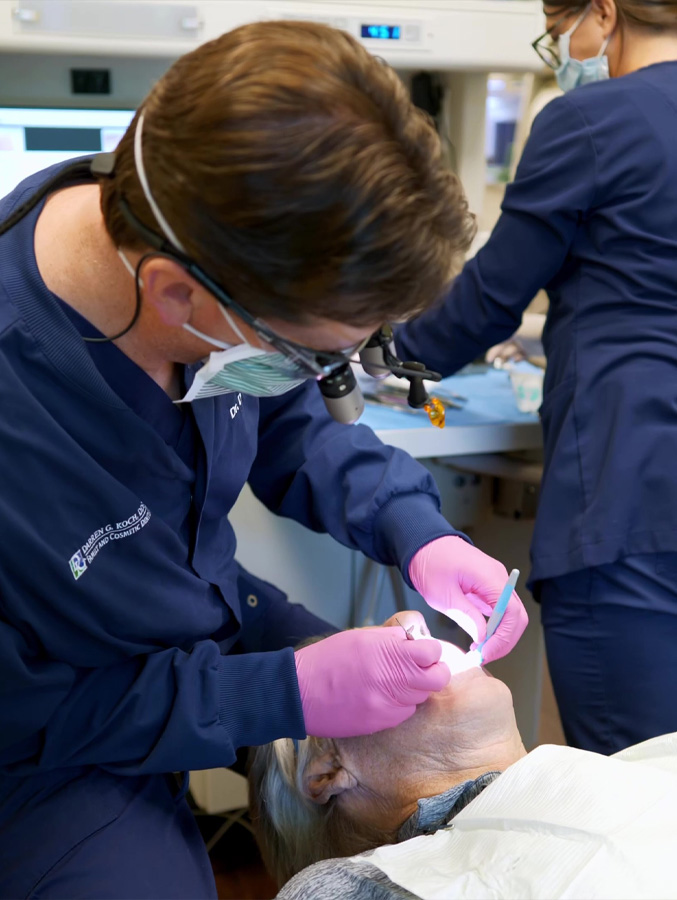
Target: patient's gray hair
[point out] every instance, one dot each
(293, 832)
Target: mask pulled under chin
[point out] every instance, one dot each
(574, 73)
(244, 369)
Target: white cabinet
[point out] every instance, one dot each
(453, 35)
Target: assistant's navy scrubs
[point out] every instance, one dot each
(132, 646)
(592, 217)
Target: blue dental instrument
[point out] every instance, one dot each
(496, 617)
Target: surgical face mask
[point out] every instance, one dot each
(242, 369)
(572, 72)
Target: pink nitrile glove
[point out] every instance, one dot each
(460, 581)
(366, 680)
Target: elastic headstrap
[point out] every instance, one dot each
(141, 172)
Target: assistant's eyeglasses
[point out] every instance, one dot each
(546, 47)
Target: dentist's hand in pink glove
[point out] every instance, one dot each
(460, 581)
(366, 680)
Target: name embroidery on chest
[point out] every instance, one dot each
(117, 531)
(236, 407)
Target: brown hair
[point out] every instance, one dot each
(292, 831)
(295, 170)
(657, 15)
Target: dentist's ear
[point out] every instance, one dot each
(168, 287)
(325, 778)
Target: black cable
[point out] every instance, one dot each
(137, 308)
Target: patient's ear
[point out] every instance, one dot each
(325, 777)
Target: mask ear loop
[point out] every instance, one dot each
(126, 263)
(137, 309)
(604, 46)
(578, 21)
(566, 37)
(138, 282)
(215, 341)
(227, 316)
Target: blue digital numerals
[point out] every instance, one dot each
(381, 32)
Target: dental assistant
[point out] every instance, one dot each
(275, 200)
(592, 218)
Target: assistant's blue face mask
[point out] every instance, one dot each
(573, 73)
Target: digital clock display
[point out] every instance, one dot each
(381, 32)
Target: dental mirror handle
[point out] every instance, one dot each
(499, 610)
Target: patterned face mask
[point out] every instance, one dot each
(242, 369)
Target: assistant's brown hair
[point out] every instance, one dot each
(656, 15)
(295, 170)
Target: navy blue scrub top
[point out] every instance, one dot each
(174, 422)
(592, 217)
(125, 638)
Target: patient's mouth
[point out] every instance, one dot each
(452, 656)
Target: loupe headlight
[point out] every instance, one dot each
(342, 395)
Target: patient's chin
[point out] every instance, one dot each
(474, 688)
(459, 680)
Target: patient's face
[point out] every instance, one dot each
(472, 697)
(453, 732)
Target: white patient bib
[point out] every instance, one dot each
(560, 823)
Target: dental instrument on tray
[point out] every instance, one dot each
(397, 399)
(391, 388)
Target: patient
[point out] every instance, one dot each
(428, 796)
(336, 798)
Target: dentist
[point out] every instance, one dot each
(592, 218)
(275, 200)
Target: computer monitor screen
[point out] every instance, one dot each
(31, 139)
